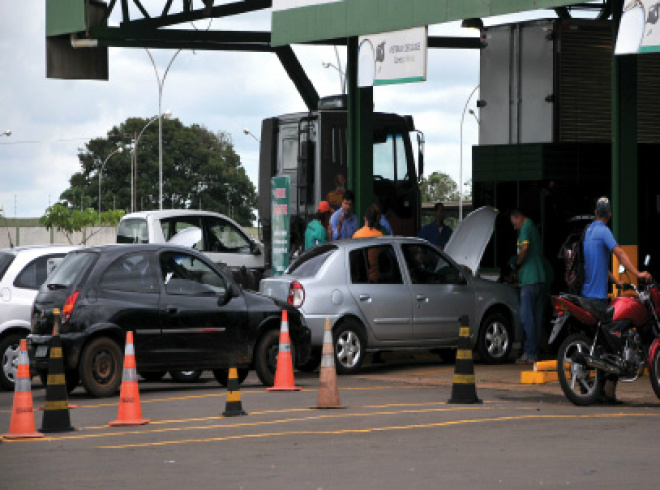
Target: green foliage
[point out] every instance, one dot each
(439, 186)
(200, 170)
(69, 221)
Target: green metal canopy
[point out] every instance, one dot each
(349, 18)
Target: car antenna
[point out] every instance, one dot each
(11, 244)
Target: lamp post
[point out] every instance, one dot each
(6, 133)
(342, 76)
(247, 132)
(161, 83)
(118, 150)
(460, 171)
(136, 140)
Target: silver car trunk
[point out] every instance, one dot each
(468, 241)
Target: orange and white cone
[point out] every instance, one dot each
(284, 380)
(328, 396)
(22, 423)
(129, 412)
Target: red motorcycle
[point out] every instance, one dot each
(614, 341)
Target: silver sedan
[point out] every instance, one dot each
(395, 293)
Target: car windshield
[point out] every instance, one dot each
(309, 263)
(5, 261)
(70, 270)
(133, 230)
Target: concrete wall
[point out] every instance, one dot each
(28, 231)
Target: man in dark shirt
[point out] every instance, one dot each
(437, 232)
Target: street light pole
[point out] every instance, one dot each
(118, 150)
(161, 83)
(460, 171)
(6, 133)
(247, 132)
(134, 169)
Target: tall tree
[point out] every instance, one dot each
(200, 170)
(439, 186)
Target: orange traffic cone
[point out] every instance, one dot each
(284, 373)
(328, 396)
(129, 412)
(22, 423)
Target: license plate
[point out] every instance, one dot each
(558, 324)
(42, 351)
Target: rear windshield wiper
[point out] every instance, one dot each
(53, 286)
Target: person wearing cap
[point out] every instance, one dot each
(317, 229)
(599, 244)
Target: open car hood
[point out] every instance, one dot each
(188, 237)
(468, 241)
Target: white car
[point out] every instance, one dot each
(223, 240)
(22, 271)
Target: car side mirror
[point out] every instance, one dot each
(233, 291)
(254, 248)
(647, 260)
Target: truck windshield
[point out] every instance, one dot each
(390, 160)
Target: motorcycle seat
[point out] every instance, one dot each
(602, 310)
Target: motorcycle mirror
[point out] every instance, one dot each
(647, 260)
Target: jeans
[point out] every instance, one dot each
(531, 311)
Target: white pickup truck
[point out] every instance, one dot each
(213, 234)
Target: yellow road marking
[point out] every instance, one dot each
(372, 429)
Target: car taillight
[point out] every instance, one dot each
(296, 294)
(67, 309)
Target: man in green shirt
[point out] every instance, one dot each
(317, 229)
(531, 277)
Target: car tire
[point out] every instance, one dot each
(9, 350)
(313, 362)
(221, 375)
(186, 376)
(153, 376)
(265, 356)
(350, 346)
(100, 368)
(495, 339)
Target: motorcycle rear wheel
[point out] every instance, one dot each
(581, 384)
(654, 372)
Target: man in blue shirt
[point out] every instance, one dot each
(344, 222)
(599, 244)
(437, 232)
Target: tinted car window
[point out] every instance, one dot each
(71, 269)
(427, 266)
(5, 262)
(225, 237)
(309, 263)
(131, 272)
(35, 273)
(188, 275)
(375, 265)
(133, 231)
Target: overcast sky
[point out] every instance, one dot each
(50, 119)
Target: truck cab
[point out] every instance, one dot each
(311, 148)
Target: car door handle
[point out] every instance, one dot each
(365, 297)
(421, 297)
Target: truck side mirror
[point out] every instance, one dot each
(420, 155)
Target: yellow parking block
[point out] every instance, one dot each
(545, 366)
(538, 377)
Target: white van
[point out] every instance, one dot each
(213, 234)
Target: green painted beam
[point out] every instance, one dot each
(65, 17)
(358, 17)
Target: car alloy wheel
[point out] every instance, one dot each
(494, 341)
(350, 346)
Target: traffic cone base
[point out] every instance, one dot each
(284, 380)
(463, 389)
(328, 395)
(129, 412)
(22, 425)
(233, 407)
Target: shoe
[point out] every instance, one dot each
(525, 360)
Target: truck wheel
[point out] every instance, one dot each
(221, 375)
(495, 339)
(350, 346)
(9, 350)
(100, 367)
(265, 356)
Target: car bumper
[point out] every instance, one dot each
(316, 324)
(39, 351)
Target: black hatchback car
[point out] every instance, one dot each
(185, 313)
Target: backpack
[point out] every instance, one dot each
(572, 252)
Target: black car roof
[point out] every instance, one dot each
(120, 248)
